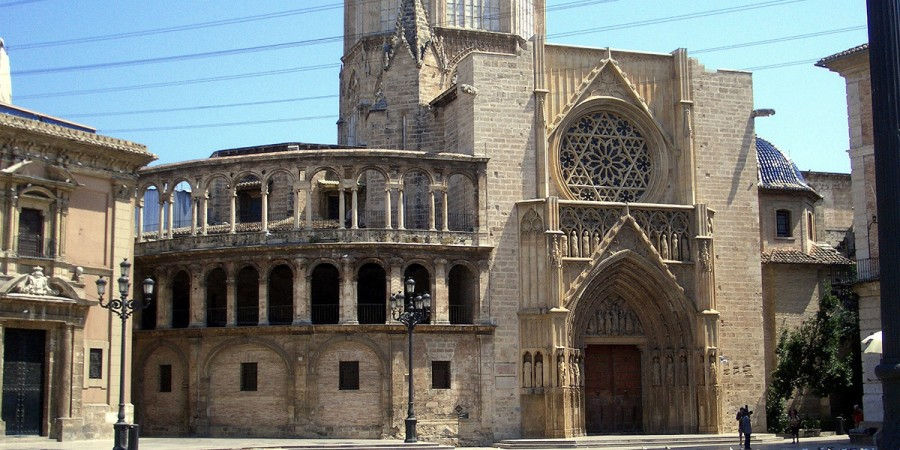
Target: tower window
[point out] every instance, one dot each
(248, 376)
(348, 379)
(783, 223)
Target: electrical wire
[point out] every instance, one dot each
(778, 40)
(200, 107)
(217, 125)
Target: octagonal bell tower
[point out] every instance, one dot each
(400, 57)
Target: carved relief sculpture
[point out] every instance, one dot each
(36, 283)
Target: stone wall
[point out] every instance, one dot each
(726, 177)
(834, 215)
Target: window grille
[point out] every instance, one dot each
(783, 223)
(165, 378)
(348, 379)
(440, 374)
(95, 370)
(248, 376)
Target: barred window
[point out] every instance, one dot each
(604, 157)
(95, 370)
(348, 378)
(440, 374)
(165, 378)
(248, 376)
(783, 223)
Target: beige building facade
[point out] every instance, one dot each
(66, 219)
(587, 220)
(853, 65)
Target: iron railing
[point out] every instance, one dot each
(325, 313)
(371, 312)
(460, 314)
(868, 269)
(216, 316)
(281, 314)
(247, 315)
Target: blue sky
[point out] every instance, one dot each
(810, 122)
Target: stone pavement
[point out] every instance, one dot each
(831, 442)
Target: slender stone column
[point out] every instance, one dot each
(348, 298)
(396, 283)
(265, 209)
(354, 204)
(441, 298)
(164, 301)
(204, 213)
(198, 299)
(309, 209)
(230, 296)
(233, 211)
(884, 61)
(484, 301)
(400, 214)
(301, 293)
(195, 213)
(140, 220)
(64, 401)
(432, 217)
(171, 220)
(263, 296)
(387, 208)
(342, 214)
(297, 209)
(482, 203)
(446, 224)
(162, 215)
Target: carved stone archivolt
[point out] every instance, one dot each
(613, 317)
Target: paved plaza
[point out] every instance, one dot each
(831, 442)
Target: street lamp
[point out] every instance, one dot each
(123, 307)
(411, 310)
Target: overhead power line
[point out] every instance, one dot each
(781, 39)
(783, 64)
(217, 125)
(135, 87)
(17, 3)
(641, 23)
(232, 21)
(199, 107)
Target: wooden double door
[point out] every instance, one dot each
(612, 392)
(23, 380)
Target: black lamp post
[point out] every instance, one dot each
(123, 307)
(411, 310)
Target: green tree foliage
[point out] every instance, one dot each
(819, 357)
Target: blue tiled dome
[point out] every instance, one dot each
(776, 170)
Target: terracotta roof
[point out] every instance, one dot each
(820, 254)
(777, 171)
(824, 61)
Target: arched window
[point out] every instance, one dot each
(463, 292)
(371, 294)
(31, 232)
(218, 205)
(783, 223)
(604, 157)
(416, 200)
(280, 211)
(325, 294)
(372, 199)
(475, 14)
(248, 296)
(249, 200)
(281, 295)
(181, 300)
(216, 300)
(461, 212)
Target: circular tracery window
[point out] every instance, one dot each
(603, 157)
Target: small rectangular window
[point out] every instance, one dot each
(440, 374)
(810, 226)
(348, 379)
(248, 376)
(783, 223)
(165, 378)
(95, 370)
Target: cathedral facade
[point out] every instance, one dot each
(586, 220)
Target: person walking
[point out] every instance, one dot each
(794, 424)
(738, 417)
(744, 426)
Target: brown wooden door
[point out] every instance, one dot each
(612, 389)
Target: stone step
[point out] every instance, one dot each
(350, 446)
(634, 441)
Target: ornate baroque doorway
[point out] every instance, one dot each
(23, 380)
(612, 389)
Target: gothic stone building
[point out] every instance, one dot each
(586, 219)
(65, 219)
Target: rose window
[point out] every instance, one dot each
(603, 157)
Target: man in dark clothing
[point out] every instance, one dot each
(744, 427)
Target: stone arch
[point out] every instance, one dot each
(181, 285)
(650, 129)
(281, 201)
(153, 422)
(325, 284)
(417, 198)
(462, 291)
(371, 292)
(379, 423)
(646, 311)
(462, 202)
(258, 408)
(215, 280)
(247, 293)
(280, 282)
(216, 190)
(325, 191)
(372, 183)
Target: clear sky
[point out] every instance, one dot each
(289, 92)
